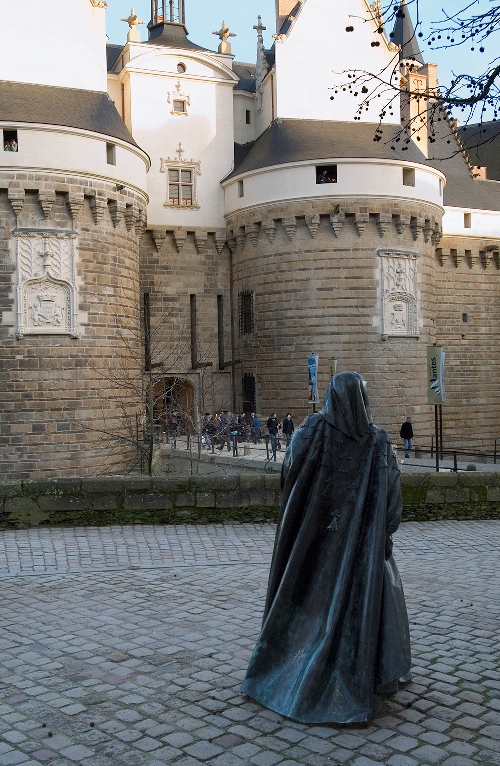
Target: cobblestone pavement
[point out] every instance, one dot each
(126, 646)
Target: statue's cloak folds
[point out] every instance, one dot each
(335, 627)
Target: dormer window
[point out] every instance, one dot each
(180, 101)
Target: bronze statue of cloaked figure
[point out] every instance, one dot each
(335, 628)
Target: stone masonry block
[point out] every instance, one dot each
(434, 496)
(137, 484)
(414, 480)
(205, 499)
(457, 495)
(475, 479)
(35, 487)
(264, 499)
(103, 484)
(443, 479)
(185, 500)
(105, 502)
(11, 488)
(24, 511)
(64, 503)
(144, 502)
(252, 482)
(493, 494)
(225, 483)
(174, 484)
(233, 499)
(272, 481)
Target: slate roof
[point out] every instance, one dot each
(172, 36)
(112, 53)
(289, 140)
(246, 76)
(462, 189)
(72, 107)
(483, 146)
(403, 34)
(300, 140)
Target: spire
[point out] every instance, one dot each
(404, 35)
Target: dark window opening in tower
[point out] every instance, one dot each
(326, 174)
(408, 176)
(245, 305)
(10, 141)
(248, 392)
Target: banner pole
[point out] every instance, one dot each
(436, 431)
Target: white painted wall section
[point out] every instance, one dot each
(59, 43)
(355, 179)
(205, 132)
(484, 223)
(47, 148)
(311, 59)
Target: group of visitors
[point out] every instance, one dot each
(10, 146)
(220, 427)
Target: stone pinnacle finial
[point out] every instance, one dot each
(224, 33)
(133, 33)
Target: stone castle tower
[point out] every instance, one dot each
(72, 211)
(249, 214)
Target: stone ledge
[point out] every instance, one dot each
(108, 500)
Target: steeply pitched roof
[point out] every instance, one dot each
(299, 140)
(246, 76)
(72, 107)
(112, 53)
(482, 142)
(462, 189)
(404, 34)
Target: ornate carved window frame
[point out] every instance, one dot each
(399, 293)
(181, 164)
(177, 97)
(47, 298)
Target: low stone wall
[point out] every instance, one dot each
(216, 499)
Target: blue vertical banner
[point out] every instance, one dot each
(312, 363)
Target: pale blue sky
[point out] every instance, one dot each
(204, 16)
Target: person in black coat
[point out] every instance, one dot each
(335, 628)
(406, 433)
(288, 428)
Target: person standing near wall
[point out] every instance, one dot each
(406, 433)
(288, 428)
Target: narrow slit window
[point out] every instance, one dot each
(111, 154)
(241, 189)
(10, 141)
(245, 301)
(467, 221)
(248, 117)
(408, 176)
